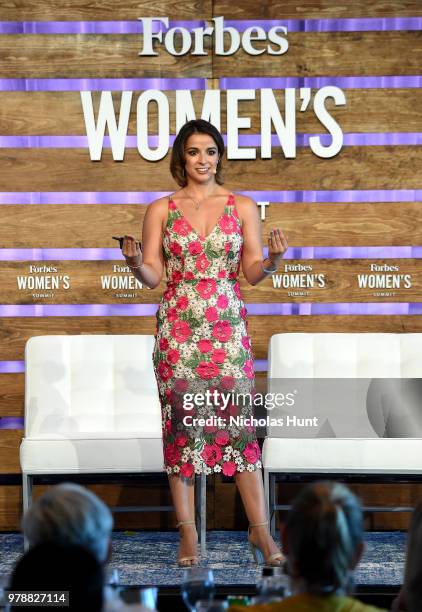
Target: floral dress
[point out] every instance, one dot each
(202, 356)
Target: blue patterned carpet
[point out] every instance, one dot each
(149, 558)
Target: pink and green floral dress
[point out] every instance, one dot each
(202, 348)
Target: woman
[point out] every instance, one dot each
(323, 540)
(201, 234)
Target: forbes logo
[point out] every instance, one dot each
(196, 38)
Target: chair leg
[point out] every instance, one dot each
(26, 491)
(267, 492)
(269, 499)
(198, 503)
(26, 499)
(272, 503)
(203, 514)
(201, 511)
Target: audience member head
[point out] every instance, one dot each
(53, 567)
(70, 514)
(412, 587)
(324, 537)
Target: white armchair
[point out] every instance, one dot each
(92, 407)
(327, 450)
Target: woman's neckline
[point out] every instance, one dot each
(201, 236)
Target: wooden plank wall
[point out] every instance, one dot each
(83, 226)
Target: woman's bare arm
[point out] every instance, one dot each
(252, 259)
(151, 260)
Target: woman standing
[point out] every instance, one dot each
(201, 235)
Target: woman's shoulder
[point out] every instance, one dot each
(158, 208)
(242, 198)
(159, 203)
(245, 206)
(244, 202)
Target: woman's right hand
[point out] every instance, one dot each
(131, 251)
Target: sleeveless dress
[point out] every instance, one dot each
(202, 356)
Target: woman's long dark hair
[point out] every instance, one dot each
(324, 529)
(177, 160)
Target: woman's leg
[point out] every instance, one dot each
(251, 490)
(182, 492)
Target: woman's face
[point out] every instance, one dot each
(201, 152)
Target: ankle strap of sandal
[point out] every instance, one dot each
(258, 524)
(185, 523)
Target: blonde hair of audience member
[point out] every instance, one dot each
(412, 587)
(70, 514)
(324, 538)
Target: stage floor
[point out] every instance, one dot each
(149, 558)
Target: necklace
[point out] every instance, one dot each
(195, 203)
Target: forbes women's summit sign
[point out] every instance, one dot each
(193, 40)
(158, 37)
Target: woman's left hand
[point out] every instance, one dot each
(277, 245)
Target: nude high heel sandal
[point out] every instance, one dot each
(276, 559)
(187, 561)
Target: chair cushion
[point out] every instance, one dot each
(91, 455)
(361, 455)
